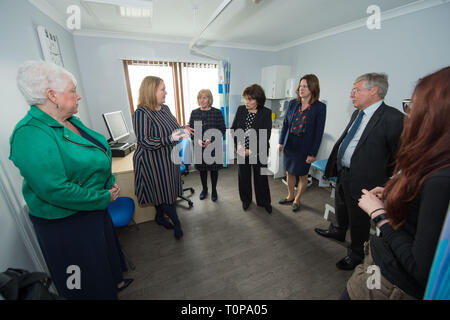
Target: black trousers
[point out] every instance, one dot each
(350, 216)
(261, 183)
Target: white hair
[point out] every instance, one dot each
(372, 80)
(34, 78)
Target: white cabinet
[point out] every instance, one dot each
(275, 161)
(273, 81)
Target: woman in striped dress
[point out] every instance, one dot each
(157, 179)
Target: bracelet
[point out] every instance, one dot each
(375, 211)
(379, 218)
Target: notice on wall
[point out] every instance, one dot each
(50, 46)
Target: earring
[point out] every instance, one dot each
(57, 106)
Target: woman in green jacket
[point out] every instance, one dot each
(67, 185)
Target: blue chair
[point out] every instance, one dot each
(438, 286)
(121, 212)
(321, 165)
(185, 148)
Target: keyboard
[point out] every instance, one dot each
(117, 145)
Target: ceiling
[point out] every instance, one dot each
(264, 24)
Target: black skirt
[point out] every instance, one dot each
(88, 241)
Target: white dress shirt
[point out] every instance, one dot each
(368, 113)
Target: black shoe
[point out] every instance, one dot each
(178, 234)
(245, 205)
(127, 282)
(268, 208)
(203, 194)
(285, 201)
(164, 222)
(332, 232)
(295, 207)
(214, 195)
(348, 263)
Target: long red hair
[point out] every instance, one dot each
(424, 144)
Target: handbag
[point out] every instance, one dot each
(20, 284)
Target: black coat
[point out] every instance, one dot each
(263, 120)
(372, 162)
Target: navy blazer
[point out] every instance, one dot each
(314, 126)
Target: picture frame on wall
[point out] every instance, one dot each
(50, 46)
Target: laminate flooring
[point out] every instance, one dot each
(230, 254)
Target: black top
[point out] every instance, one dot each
(299, 120)
(88, 137)
(405, 255)
(209, 119)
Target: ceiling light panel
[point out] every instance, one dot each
(133, 12)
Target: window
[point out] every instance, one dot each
(183, 81)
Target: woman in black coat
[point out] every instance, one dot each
(252, 146)
(210, 118)
(301, 135)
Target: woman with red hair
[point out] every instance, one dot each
(410, 211)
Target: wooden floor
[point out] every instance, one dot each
(227, 253)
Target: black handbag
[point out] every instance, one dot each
(19, 284)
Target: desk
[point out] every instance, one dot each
(122, 167)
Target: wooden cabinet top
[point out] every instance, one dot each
(123, 164)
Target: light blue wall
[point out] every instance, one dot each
(406, 48)
(104, 80)
(20, 42)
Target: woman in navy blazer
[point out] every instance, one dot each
(301, 135)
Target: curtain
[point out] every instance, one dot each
(224, 98)
(197, 76)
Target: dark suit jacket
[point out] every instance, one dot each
(372, 162)
(313, 129)
(263, 120)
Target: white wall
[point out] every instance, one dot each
(406, 48)
(101, 67)
(18, 35)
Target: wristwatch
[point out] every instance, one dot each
(379, 218)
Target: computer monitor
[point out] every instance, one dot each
(115, 123)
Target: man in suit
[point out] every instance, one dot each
(362, 158)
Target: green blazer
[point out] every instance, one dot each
(63, 173)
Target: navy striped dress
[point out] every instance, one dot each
(157, 179)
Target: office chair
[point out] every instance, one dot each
(121, 212)
(438, 286)
(185, 148)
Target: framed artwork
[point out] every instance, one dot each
(50, 46)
